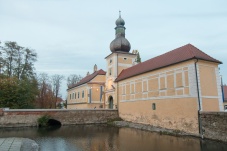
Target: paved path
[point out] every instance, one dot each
(18, 144)
(10, 144)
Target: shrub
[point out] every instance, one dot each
(43, 120)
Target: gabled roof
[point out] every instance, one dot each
(225, 92)
(88, 78)
(178, 55)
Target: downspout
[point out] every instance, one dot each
(104, 99)
(90, 95)
(199, 118)
(222, 90)
(117, 87)
(117, 64)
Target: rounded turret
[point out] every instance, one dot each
(120, 43)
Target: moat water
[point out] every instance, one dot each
(108, 138)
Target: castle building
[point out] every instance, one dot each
(165, 91)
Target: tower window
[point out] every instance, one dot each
(110, 60)
(110, 72)
(125, 58)
(153, 106)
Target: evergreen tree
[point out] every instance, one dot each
(138, 59)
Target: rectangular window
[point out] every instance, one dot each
(144, 85)
(75, 95)
(78, 95)
(179, 79)
(132, 87)
(82, 94)
(123, 89)
(70, 96)
(162, 82)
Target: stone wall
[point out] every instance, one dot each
(17, 118)
(214, 125)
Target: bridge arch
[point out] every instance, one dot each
(54, 122)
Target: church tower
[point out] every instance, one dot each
(119, 59)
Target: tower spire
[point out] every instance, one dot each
(120, 43)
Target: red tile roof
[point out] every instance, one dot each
(225, 92)
(88, 78)
(178, 55)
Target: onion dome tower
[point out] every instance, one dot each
(120, 43)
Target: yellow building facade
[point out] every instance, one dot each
(166, 91)
(88, 93)
(168, 97)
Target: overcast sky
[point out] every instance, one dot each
(70, 36)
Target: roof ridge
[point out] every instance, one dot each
(191, 50)
(88, 78)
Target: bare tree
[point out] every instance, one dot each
(45, 96)
(73, 79)
(56, 83)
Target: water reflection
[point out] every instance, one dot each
(105, 138)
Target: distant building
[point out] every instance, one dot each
(165, 91)
(60, 103)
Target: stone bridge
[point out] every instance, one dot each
(29, 117)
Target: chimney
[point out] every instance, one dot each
(88, 73)
(95, 67)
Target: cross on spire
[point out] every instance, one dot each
(119, 13)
